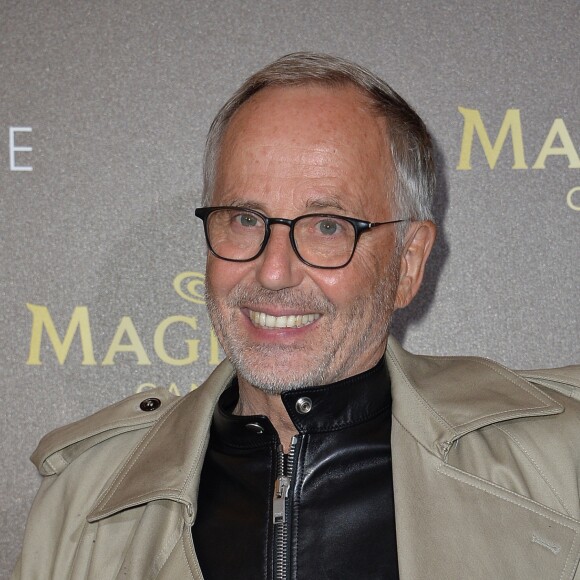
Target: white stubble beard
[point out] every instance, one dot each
(261, 364)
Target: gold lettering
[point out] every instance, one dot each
(473, 122)
(159, 341)
(41, 319)
(126, 327)
(567, 148)
(173, 389)
(145, 387)
(570, 199)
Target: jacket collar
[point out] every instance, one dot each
(332, 408)
(167, 462)
(437, 399)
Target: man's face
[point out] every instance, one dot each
(287, 152)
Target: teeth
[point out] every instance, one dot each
(290, 321)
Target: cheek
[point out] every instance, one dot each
(363, 276)
(359, 279)
(221, 276)
(374, 263)
(338, 286)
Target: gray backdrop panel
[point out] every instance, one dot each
(114, 99)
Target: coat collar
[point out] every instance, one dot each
(437, 399)
(167, 462)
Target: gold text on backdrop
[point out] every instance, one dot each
(126, 338)
(557, 143)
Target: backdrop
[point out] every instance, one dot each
(103, 113)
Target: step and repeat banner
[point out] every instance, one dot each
(103, 113)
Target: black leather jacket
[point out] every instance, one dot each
(324, 511)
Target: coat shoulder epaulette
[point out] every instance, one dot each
(564, 380)
(60, 447)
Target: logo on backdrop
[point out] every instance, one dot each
(557, 143)
(18, 151)
(126, 339)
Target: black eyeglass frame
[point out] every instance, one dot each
(360, 227)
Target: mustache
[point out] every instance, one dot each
(287, 297)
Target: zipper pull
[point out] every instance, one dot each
(279, 504)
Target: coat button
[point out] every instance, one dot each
(304, 405)
(151, 404)
(255, 428)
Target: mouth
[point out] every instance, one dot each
(263, 320)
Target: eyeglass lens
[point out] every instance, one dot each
(321, 240)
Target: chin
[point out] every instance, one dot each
(280, 375)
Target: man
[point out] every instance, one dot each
(317, 450)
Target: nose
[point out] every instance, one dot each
(278, 266)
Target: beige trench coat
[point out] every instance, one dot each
(485, 463)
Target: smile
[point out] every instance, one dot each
(263, 320)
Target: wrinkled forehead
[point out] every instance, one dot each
(307, 131)
(326, 108)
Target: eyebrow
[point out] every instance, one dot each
(312, 203)
(247, 204)
(325, 202)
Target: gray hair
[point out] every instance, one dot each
(409, 140)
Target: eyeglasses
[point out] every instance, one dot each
(320, 240)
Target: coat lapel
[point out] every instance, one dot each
(440, 399)
(452, 523)
(167, 462)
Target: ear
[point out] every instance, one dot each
(419, 240)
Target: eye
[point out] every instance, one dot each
(328, 227)
(246, 220)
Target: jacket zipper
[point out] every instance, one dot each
(281, 510)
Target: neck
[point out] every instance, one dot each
(253, 401)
